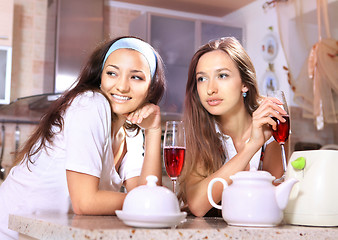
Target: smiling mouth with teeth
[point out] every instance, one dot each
(120, 97)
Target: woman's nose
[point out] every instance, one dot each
(212, 87)
(122, 84)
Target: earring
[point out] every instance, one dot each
(244, 94)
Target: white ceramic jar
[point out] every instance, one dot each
(151, 206)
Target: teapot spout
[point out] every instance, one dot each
(283, 191)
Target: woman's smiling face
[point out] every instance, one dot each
(126, 79)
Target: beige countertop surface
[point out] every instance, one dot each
(70, 226)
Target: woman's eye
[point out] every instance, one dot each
(137, 77)
(201, 79)
(223, 75)
(111, 73)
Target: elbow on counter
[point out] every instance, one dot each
(79, 209)
(84, 208)
(197, 210)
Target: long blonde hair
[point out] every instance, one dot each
(204, 151)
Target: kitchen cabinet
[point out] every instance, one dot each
(177, 39)
(6, 38)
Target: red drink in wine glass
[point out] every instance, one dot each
(174, 159)
(281, 134)
(174, 149)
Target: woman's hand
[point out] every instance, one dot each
(262, 119)
(148, 116)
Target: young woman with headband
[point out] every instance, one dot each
(89, 142)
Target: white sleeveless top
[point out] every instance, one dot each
(230, 150)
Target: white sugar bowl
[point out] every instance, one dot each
(151, 206)
(151, 199)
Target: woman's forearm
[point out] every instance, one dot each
(152, 164)
(102, 203)
(88, 199)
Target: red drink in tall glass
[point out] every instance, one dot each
(281, 134)
(174, 159)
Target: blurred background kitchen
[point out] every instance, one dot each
(43, 44)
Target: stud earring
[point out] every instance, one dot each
(244, 94)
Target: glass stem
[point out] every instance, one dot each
(174, 184)
(283, 157)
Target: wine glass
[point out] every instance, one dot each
(174, 149)
(282, 131)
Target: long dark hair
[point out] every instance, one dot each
(204, 148)
(88, 80)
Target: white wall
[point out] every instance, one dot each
(257, 22)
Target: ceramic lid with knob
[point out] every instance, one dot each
(253, 174)
(151, 206)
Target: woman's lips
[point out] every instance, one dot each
(214, 102)
(119, 98)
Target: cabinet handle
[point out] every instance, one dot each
(4, 37)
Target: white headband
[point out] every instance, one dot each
(138, 45)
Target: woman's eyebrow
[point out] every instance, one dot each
(201, 72)
(223, 69)
(217, 70)
(136, 71)
(114, 66)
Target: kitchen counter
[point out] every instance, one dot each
(70, 226)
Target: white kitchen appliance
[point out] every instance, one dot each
(313, 200)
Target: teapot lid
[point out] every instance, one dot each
(253, 174)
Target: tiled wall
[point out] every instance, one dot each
(29, 47)
(116, 21)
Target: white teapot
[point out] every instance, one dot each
(252, 199)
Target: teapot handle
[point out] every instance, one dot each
(211, 183)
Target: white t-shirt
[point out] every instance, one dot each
(85, 146)
(230, 150)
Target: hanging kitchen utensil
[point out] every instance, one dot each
(17, 139)
(2, 169)
(322, 69)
